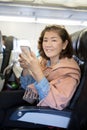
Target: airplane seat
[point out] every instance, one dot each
(79, 46)
(5, 61)
(7, 72)
(1, 60)
(33, 116)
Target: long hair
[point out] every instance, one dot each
(61, 31)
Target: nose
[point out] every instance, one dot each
(48, 43)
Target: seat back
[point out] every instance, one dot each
(7, 52)
(7, 65)
(79, 42)
(1, 50)
(1, 60)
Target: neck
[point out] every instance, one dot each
(54, 62)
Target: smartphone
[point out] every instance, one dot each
(25, 48)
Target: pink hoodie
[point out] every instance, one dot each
(64, 78)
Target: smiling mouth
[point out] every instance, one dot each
(48, 50)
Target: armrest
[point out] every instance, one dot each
(42, 115)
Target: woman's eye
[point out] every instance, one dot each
(54, 40)
(44, 40)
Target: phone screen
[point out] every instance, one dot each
(25, 48)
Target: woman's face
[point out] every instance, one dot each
(53, 44)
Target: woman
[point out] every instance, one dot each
(55, 76)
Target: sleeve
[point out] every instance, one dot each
(26, 80)
(61, 91)
(42, 87)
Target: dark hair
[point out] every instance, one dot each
(61, 31)
(4, 37)
(9, 42)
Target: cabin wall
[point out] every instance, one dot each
(29, 31)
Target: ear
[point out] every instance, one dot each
(65, 44)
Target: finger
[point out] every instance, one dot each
(26, 52)
(21, 57)
(33, 54)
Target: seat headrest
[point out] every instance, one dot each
(79, 42)
(82, 45)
